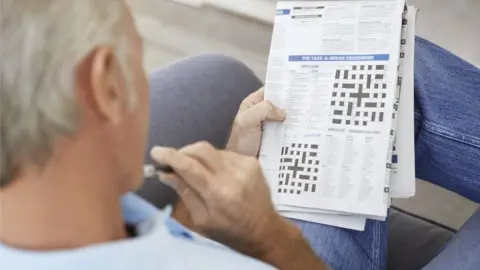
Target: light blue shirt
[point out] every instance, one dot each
(161, 244)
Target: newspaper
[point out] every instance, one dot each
(403, 156)
(334, 66)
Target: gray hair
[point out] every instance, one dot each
(42, 42)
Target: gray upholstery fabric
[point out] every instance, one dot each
(193, 100)
(413, 242)
(197, 99)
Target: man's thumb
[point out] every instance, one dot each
(263, 111)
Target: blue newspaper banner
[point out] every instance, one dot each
(283, 12)
(357, 57)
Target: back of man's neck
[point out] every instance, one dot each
(41, 214)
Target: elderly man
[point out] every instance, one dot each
(74, 105)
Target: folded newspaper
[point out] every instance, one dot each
(343, 71)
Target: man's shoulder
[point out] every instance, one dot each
(184, 249)
(158, 248)
(205, 254)
(161, 243)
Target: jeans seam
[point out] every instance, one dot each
(376, 245)
(449, 134)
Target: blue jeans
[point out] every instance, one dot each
(197, 99)
(447, 149)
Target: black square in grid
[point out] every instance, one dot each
(361, 76)
(293, 184)
(384, 95)
(348, 122)
(299, 184)
(316, 171)
(364, 123)
(309, 162)
(308, 169)
(298, 152)
(354, 67)
(298, 191)
(384, 86)
(291, 152)
(342, 94)
(284, 190)
(357, 113)
(280, 183)
(402, 55)
(375, 95)
(365, 114)
(291, 191)
(404, 41)
(376, 86)
(317, 162)
(342, 103)
(334, 94)
(354, 77)
(332, 103)
(369, 67)
(356, 123)
(279, 190)
(335, 85)
(314, 178)
(362, 67)
(382, 105)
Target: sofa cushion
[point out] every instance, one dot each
(413, 242)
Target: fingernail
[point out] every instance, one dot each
(167, 180)
(156, 151)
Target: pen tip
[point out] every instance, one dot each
(148, 171)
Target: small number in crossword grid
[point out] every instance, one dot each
(299, 169)
(359, 95)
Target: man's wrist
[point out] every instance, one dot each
(285, 248)
(280, 234)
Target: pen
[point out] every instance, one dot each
(150, 170)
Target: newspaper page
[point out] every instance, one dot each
(333, 67)
(403, 158)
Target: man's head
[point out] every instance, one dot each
(72, 89)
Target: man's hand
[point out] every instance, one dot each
(225, 193)
(247, 128)
(229, 201)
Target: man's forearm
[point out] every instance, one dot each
(287, 249)
(282, 244)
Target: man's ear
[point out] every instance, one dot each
(106, 88)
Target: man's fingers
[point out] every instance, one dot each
(191, 198)
(263, 111)
(194, 173)
(205, 153)
(252, 99)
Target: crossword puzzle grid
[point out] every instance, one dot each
(359, 95)
(299, 167)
